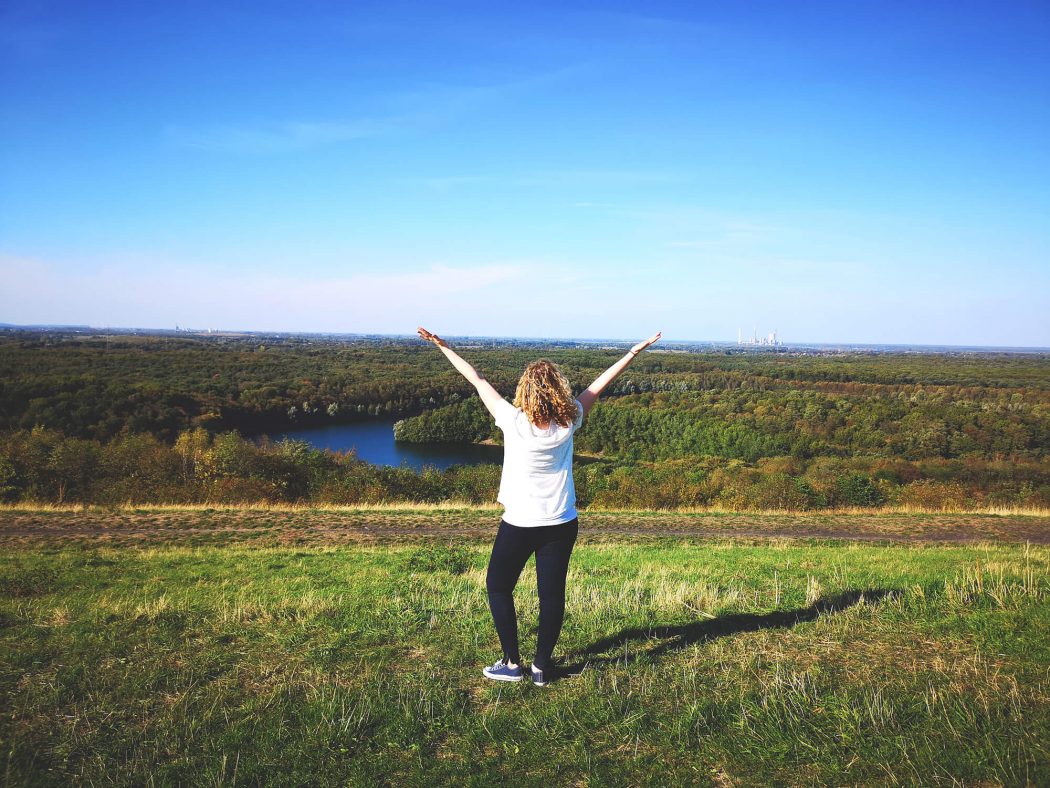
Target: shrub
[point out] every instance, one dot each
(856, 489)
(8, 480)
(928, 494)
(776, 491)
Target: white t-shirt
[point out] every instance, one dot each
(536, 486)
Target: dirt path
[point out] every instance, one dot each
(194, 527)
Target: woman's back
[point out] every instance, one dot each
(536, 486)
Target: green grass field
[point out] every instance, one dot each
(689, 660)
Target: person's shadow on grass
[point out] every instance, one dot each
(678, 636)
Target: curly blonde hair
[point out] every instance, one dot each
(544, 394)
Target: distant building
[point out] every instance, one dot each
(769, 340)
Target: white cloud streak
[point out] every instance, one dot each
(273, 137)
(427, 105)
(547, 179)
(201, 296)
(812, 300)
(515, 298)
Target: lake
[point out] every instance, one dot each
(374, 442)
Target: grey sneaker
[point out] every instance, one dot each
(540, 678)
(500, 671)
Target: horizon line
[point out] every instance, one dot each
(718, 342)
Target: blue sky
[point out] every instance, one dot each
(840, 172)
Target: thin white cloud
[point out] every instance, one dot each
(436, 96)
(446, 182)
(600, 176)
(815, 300)
(426, 105)
(150, 295)
(549, 179)
(273, 137)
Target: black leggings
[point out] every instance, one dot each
(552, 545)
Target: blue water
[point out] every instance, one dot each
(374, 442)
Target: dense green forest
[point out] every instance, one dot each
(156, 418)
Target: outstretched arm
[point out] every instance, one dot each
(489, 396)
(590, 394)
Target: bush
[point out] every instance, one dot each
(928, 494)
(776, 491)
(8, 480)
(856, 489)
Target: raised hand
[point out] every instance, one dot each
(424, 334)
(490, 398)
(644, 344)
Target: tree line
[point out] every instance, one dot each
(81, 417)
(98, 386)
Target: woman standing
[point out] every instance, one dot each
(536, 490)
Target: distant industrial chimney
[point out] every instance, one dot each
(769, 340)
